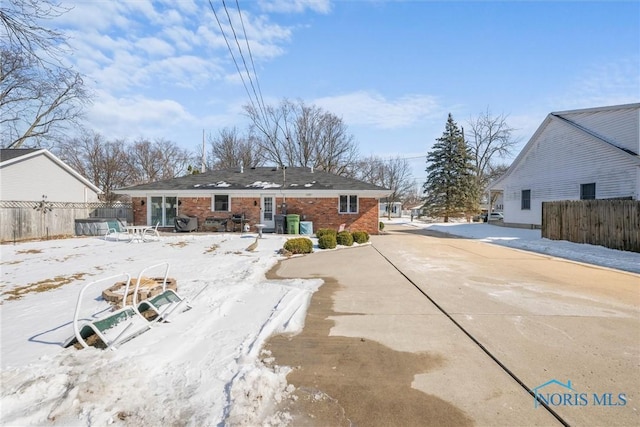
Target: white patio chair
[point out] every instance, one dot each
(120, 230)
(151, 233)
(162, 305)
(113, 329)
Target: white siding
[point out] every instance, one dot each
(557, 162)
(620, 126)
(31, 178)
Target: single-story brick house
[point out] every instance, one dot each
(259, 195)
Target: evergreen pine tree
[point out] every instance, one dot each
(450, 188)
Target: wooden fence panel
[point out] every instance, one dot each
(614, 224)
(28, 220)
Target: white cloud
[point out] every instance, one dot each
(296, 6)
(127, 117)
(372, 109)
(154, 46)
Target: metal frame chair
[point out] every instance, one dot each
(114, 329)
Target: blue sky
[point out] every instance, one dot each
(392, 70)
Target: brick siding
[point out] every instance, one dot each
(323, 212)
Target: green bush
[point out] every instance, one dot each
(327, 241)
(344, 238)
(323, 231)
(360, 237)
(381, 225)
(299, 245)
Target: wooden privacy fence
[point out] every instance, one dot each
(37, 220)
(614, 224)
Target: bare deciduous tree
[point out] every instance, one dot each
(35, 102)
(394, 174)
(229, 149)
(302, 135)
(39, 95)
(491, 138)
(115, 164)
(102, 162)
(21, 28)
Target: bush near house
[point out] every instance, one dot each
(299, 245)
(381, 225)
(344, 238)
(327, 241)
(360, 236)
(324, 231)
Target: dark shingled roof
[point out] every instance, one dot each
(291, 178)
(12, 153)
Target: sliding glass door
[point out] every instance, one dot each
(163, 210)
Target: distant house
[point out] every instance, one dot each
(387, 209)
(30, 174)
(259, 195)
(579, 154)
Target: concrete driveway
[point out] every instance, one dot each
(424, 329)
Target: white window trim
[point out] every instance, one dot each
(213, 203)
(349, 204)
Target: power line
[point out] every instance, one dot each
(244, 62)
(231, 51)
(253, 65)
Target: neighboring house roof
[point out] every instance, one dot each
(7, 154)
(565, 117)
(10, 156)
(291, 181)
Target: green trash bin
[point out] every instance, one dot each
(293, 224)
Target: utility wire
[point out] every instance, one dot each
(253, 65)
(231, 52)
(244, 62)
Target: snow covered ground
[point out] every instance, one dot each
(530, 240)
(206, 366)
(201, 369)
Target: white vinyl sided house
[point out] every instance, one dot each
(579, 154)
(27, 174)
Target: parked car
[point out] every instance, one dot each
(495, 216)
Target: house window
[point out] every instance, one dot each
(220, 203)
(588, 191)
(348, 204)
(525, 202)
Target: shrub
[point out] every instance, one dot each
(323, 231)
(381, 225)
(299, 245)
(344, 238)
(360, 237)
(327, 241)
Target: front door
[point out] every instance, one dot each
(267, 210)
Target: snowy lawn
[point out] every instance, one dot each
(206, 367)
(202, 368)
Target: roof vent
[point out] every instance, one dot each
(241, 168)
(311, 169)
